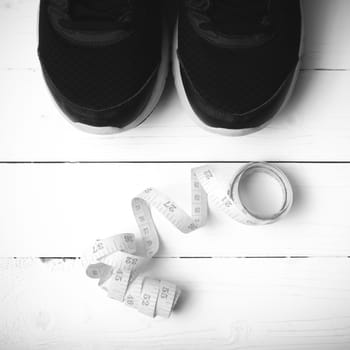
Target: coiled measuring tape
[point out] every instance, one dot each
(122, 273)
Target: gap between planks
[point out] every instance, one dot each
(64, 258)
(344, 162)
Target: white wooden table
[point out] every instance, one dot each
(285, 286)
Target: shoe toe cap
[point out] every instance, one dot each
(118, 116)
(253, 118)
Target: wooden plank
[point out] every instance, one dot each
(315, 126)
(326, 34)
(60, 209)
(272, 304)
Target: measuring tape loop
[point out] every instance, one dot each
(113, 261)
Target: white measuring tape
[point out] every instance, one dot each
(121, 272)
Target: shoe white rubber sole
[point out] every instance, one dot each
(222, 131)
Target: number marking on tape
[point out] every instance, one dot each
(114, 261)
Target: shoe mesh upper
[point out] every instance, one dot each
(102, 77)
(239, 80)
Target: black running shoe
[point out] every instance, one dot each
(236, 61)
(105, 61)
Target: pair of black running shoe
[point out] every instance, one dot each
(235, 62)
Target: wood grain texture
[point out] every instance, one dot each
(232, 304)
(233, 298)
(314, 126)
(60, 209)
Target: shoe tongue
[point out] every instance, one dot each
(239, 17)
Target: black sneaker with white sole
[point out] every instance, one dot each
(104, 61)
(236, 61)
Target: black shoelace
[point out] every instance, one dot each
(99, 14)
(235, 16)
